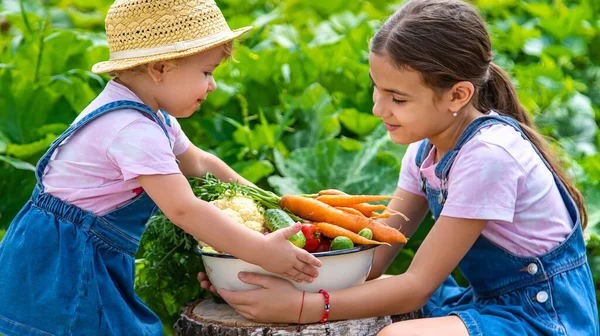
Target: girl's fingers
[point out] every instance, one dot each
(292, 275)
(262, 280)
(293, 278)
(244, 312)
(235, 298)
(304, 278)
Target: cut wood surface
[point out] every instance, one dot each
(205, 317)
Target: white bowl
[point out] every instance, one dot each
(341, 269)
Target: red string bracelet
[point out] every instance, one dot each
(326, 313)
(301, 307)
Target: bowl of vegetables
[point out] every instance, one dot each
(341, 269)
(341, 230)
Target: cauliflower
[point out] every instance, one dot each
(256, 226)
(244, 210)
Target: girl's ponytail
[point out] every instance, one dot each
(499, 94)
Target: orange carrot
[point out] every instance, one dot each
(331, 192)
(333, 231)
(346, 200)
(381, 215)
(316, 211)
(367, 209)
(351, 211)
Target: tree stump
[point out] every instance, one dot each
(205, 317)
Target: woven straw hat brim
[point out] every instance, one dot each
(124, 64)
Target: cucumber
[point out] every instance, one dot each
(277, 219)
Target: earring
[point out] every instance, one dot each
(455, 114)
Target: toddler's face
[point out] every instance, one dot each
(410, 110)
(186, 86)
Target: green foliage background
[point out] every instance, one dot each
(293, 112)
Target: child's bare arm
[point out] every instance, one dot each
(442, 250)
(195, 162)
(412, 206)
(447, 243)
(275, 253)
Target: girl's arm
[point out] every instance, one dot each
(195, 162)
(442, 250)
(173, 195)
(445, 246)
(415, 208)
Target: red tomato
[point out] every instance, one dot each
(313, 237)
(324, 246)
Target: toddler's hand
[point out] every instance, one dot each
(287, 260)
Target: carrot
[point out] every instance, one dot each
(346, 200)
(332, 231)
(351, 211)
(331, 192)
(316, 211)
(367, 209)
(381, 215)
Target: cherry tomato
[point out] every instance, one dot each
(324, 246)
(313, 237)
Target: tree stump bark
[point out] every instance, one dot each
(205, 317)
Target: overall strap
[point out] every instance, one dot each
(116, 105)
(422, 153)
(167, 118)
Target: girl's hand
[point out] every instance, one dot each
(205, 283)
(278, 301)
(282, 257)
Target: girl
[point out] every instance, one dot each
(67, 261)
(505, 212)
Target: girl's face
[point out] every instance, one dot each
(185, 86)
(410, 110)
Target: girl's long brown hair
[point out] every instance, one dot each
(446, 42)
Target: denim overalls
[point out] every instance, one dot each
(66, 271)
(510, 295)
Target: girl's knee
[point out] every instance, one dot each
(394, 330)
(386, 331)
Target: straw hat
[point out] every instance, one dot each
(143, 31)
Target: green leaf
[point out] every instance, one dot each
(317, 118)
(573, 124)
(324, 35)
(17, 163)
(347, 21)
(329, 165)
(4, 141)
(285, 35)
(592, 202)
(254, 171)
(535, 46)
(357, 122)
(267, 18)
(221, 96)
(32, 149)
